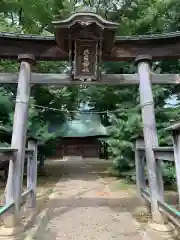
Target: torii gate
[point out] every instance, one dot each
(86, 40)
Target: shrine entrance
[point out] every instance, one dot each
(86, 40)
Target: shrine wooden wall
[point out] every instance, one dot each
(85, 147)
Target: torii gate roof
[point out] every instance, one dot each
(124, 48)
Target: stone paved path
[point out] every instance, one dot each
(83, 207)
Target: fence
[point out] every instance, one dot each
(13, 207)
(171, 154)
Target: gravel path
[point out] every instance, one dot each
(83, 207)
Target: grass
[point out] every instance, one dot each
(122, 184)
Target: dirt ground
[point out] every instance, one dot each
(54, 171)
(45, 182)
(87, 204)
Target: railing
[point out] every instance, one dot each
(29, 195)
(171, 154)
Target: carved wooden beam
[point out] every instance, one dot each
(109, 79)
(159, 46)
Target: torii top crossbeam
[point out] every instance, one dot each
(119, 48)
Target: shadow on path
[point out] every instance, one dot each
(83, 207)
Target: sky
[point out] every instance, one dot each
(171, 101)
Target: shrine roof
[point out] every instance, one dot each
(143, 37)
(21, 36)
(157, 36)
(90, 15)
(85, 125)
(174, 125)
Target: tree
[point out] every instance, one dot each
(135, 17)
(23, 17)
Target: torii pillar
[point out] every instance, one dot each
(16, 167)
(150, 135)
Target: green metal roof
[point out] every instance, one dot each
(103, 139)
(84, 125)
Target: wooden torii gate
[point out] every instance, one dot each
(86, 40)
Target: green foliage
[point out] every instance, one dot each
(136, 17)
(35, 17)
(169, 173)
(6, 106)
(124, 125)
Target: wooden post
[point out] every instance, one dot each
(140, 167)
(176, 144)
(150, 134)
(14, 183)
(32, 172)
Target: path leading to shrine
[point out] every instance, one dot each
(85, 205)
